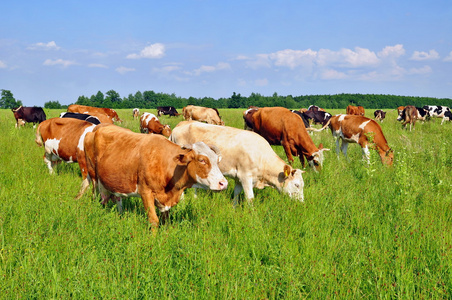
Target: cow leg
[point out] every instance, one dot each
(49, 162)
(344, 147)
(237, 190)
(366, 153)
(148, 199)
(247, 185)
(288, 151)
(83, 187)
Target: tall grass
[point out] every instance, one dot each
(364, 231)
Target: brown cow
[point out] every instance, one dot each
(355, 110)
(280, 126)
(24, 114)
(379, 115)
(136, 113)
(150, 124)
(202, 114)
(95, 111)
(361, 130)
(63, 140)
(400, 109)
(248, 117)
(409, 115)
(122, 163)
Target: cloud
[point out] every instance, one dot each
(420, 71)
(333, 74)
(167, 69)
(97, 66)
(2, 65)
(261, 82)
(449, 57)
(293, 58)
(420, 55)
(392, 51)
(43, 46)
(209, 69)
(124, 70)
(64, 63)
(156, 50)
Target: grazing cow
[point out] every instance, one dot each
(136, 113)
(279, 126)
(303, 117)
(447, 117)
(24, 114)
(83, 117)
(355, 110)
(410, 114)
(363, 131)
(436, 111)
(379, 115)
(150, 124)
(167, 110)
(63, 140)
(245, 156)
(317, 117)
(202, 114)
(122, 163)
(95, 111)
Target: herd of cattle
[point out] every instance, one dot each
(161, 163)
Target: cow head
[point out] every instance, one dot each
(166, 130)
(387, 157)
(293, 183)
(202, 166)
(316, 159)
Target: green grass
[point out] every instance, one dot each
(364, 231)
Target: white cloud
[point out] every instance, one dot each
(293, 58)
(156, 50)
(392, 51)
(261, 82)
(124, 70)
(2, 65)
(333, 74)
(209, 69)
(167, 69)
(43, 46)
(64, 63)
(420, 71)
(449, 57)
(420, 55)
(97, 66)
(360, 57)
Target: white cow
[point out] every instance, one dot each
(245, 156)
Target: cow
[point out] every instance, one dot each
(83, 117)
(246, 156)
(317, 117)
(122, 163)
(315, 108)
(303, 117)
(95, 111)
(410, 114)
(363, 131)
(447, 117)
(400, 109)
(279, 126)
(63, 141)
(149, 123)
(167, 110)
(24, 114)
(436, 111)
(355, 110)
(202, 114)
(379, 115)
(136, 113)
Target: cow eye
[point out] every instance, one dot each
(202, 161)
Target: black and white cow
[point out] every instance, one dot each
(167, 110)
(317, 117)
(302, 116)
(447, 116)
(379, 115)
(84, 117)
(24, 114)
(436, 111)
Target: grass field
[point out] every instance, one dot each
(364, 231)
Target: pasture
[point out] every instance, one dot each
(363, 231)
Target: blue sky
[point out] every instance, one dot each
(60, 50)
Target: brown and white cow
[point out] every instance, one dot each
(150, 124)
(24, 114)
(63, 140)
(122, 163)
(245, 156)
(400, 109)
(355, 110)
(363, 131)
(280, 126)
(248, 117)
(409, 115)
(136, 113)
(95, 111)
(202, 114)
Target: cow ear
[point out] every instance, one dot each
(320, 146)
(287, 170)
(182, 159)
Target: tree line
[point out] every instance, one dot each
(151, 99)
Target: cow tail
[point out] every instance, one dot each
(38, 139)
(318, 130)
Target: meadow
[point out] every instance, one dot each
(364, 230)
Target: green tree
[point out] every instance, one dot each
(52, 105)
(7, 100)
